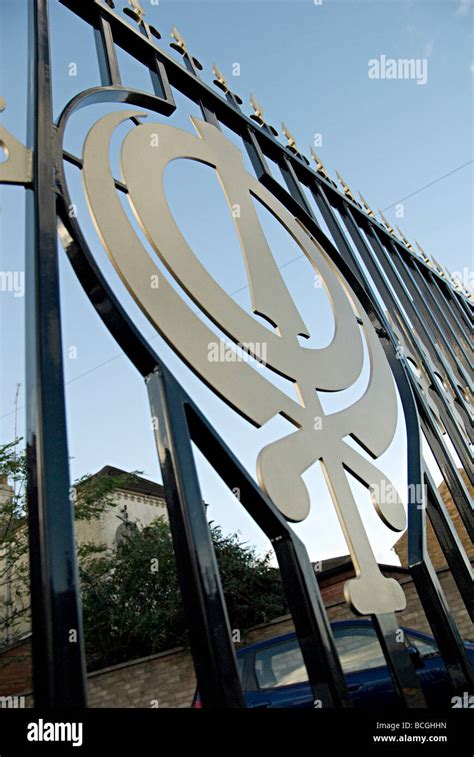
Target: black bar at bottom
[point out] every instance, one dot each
(198, 573)
(400, 665)
(57, 638)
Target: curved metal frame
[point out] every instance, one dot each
(181, 422)
(75, 244)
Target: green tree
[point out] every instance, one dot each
(131, 600)
(130, 596)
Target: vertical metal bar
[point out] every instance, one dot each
(257, 158)
(389, 268)
(443, 301)
(159, 80)
(311, 624)
(293, 185)
(399, 663)
(425, 299)
(382, 287)
(306, 605)
(198, 574)
(430, 323)
(443, 458)
(450, 543)
(398, 660)
(57, 641)
(450, 643)
(106, 54)
(448, 303)
(450, 473)
(249, 138)
(207, 112)
(464, 307)
(429, 589)
(333, 225)
(438, 305)
(459, 303)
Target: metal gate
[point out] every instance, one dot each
(426, 325)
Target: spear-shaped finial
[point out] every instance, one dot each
(424, 255)
(455, 282)
(346, 188)
(386, 223)
(135, 5)
(422, 252)
(221, 82)
(405, 240)
(180, 45)
(257, 108)
(291, 140)
(137, 11)
(367, 208)
(258, 115)
(438, 267)
(320, 167)
(430, 261)
(220, 78)
(180, 41)
(448, 273)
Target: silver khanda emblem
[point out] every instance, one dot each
(371, 420)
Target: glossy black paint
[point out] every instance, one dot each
(387, 260)
(199, 579)
(58, 655)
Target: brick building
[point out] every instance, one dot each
(434, 549)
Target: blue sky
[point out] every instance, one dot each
(308, 65)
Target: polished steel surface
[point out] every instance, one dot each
(146, 151)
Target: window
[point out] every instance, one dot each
(358, 648)
(123, 532)
(423, 646)
(280, 665)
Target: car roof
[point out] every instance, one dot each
(335, 625)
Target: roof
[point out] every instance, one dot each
(337, 565)
(335, 562)
(136, 484)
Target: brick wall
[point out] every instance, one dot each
(15, 669)
(167, 679)
(434, 548)
(164, 680)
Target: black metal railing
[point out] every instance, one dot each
(424, 320)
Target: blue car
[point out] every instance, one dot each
(273, 673)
